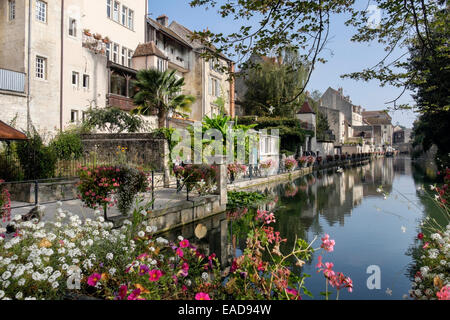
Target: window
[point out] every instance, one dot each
(124, 56)
(73, 116)
(12, 10)
(115, 52)
(214, 87)
(75, 78)
(85, 81)
(116, 10)
(41, 11)
(124, 15)
(41, 68)
(108, 8)
(72, 27)
(130, 57)
(108, 51)
(131, 19)
(161, 66)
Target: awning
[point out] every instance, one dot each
(8, 133)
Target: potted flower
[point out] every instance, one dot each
(97, 36)
(310, 161)
(106, 40)
(266, 165)
(330, 158)
(290, 164)
(319, 160)
(303, 161)
(87, 32)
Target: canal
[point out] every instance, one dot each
(371, 228)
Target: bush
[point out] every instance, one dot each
(98, 185)
(37, 160)
(67, 145)
(330, 158)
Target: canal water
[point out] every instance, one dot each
(371, 228)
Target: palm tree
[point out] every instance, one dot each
(159, 92)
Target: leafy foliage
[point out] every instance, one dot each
(159, 93)
(272, 83)
(113, 120)
(242, 199)
(67, 145)
(36, 160)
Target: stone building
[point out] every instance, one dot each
(335, 99)
(383, 130)
(73, 54)
(207, 80)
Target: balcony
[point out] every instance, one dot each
(12, 81)
(121, 102)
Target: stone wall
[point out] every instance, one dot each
(144, 149)
(14, 106)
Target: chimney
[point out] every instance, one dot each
(341, 91)
(163, 20)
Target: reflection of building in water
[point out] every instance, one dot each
(379, 172)
(402, 166)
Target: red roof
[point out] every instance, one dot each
(9, 133)
(306, 108)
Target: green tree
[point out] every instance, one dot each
(272, 82)
(112, 120)
(37, 160)
(159, 93)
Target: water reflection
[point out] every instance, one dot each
(369, 229)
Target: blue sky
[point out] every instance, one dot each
(345, 57)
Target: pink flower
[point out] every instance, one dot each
(444, 294)
(184, 243)
(426, 245)
(420, 236)
(185, 269)
(202, 296)
(327, 244)
(123, 290)
(155, 275)
(93, 279)
(180, 252)
(294, 293)
(135, 295)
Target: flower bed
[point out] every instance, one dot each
(234, 170)
(48, 260)
(432, 269)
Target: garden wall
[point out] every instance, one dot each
(144, 149)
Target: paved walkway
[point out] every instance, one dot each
(164, 198)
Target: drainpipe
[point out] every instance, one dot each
(29, 67)
(61, 81)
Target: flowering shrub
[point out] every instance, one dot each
(303, 161)
(290, 164)
(434, 266)
(97, 185)
(54, 260)
(330, 158)
(310, 160)
(432, 269)
(336, 157)
(106, 186)
(5, 203)
(343, 157)
(201, 178)
(319, 160)
(236, 169)
(266, 165)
